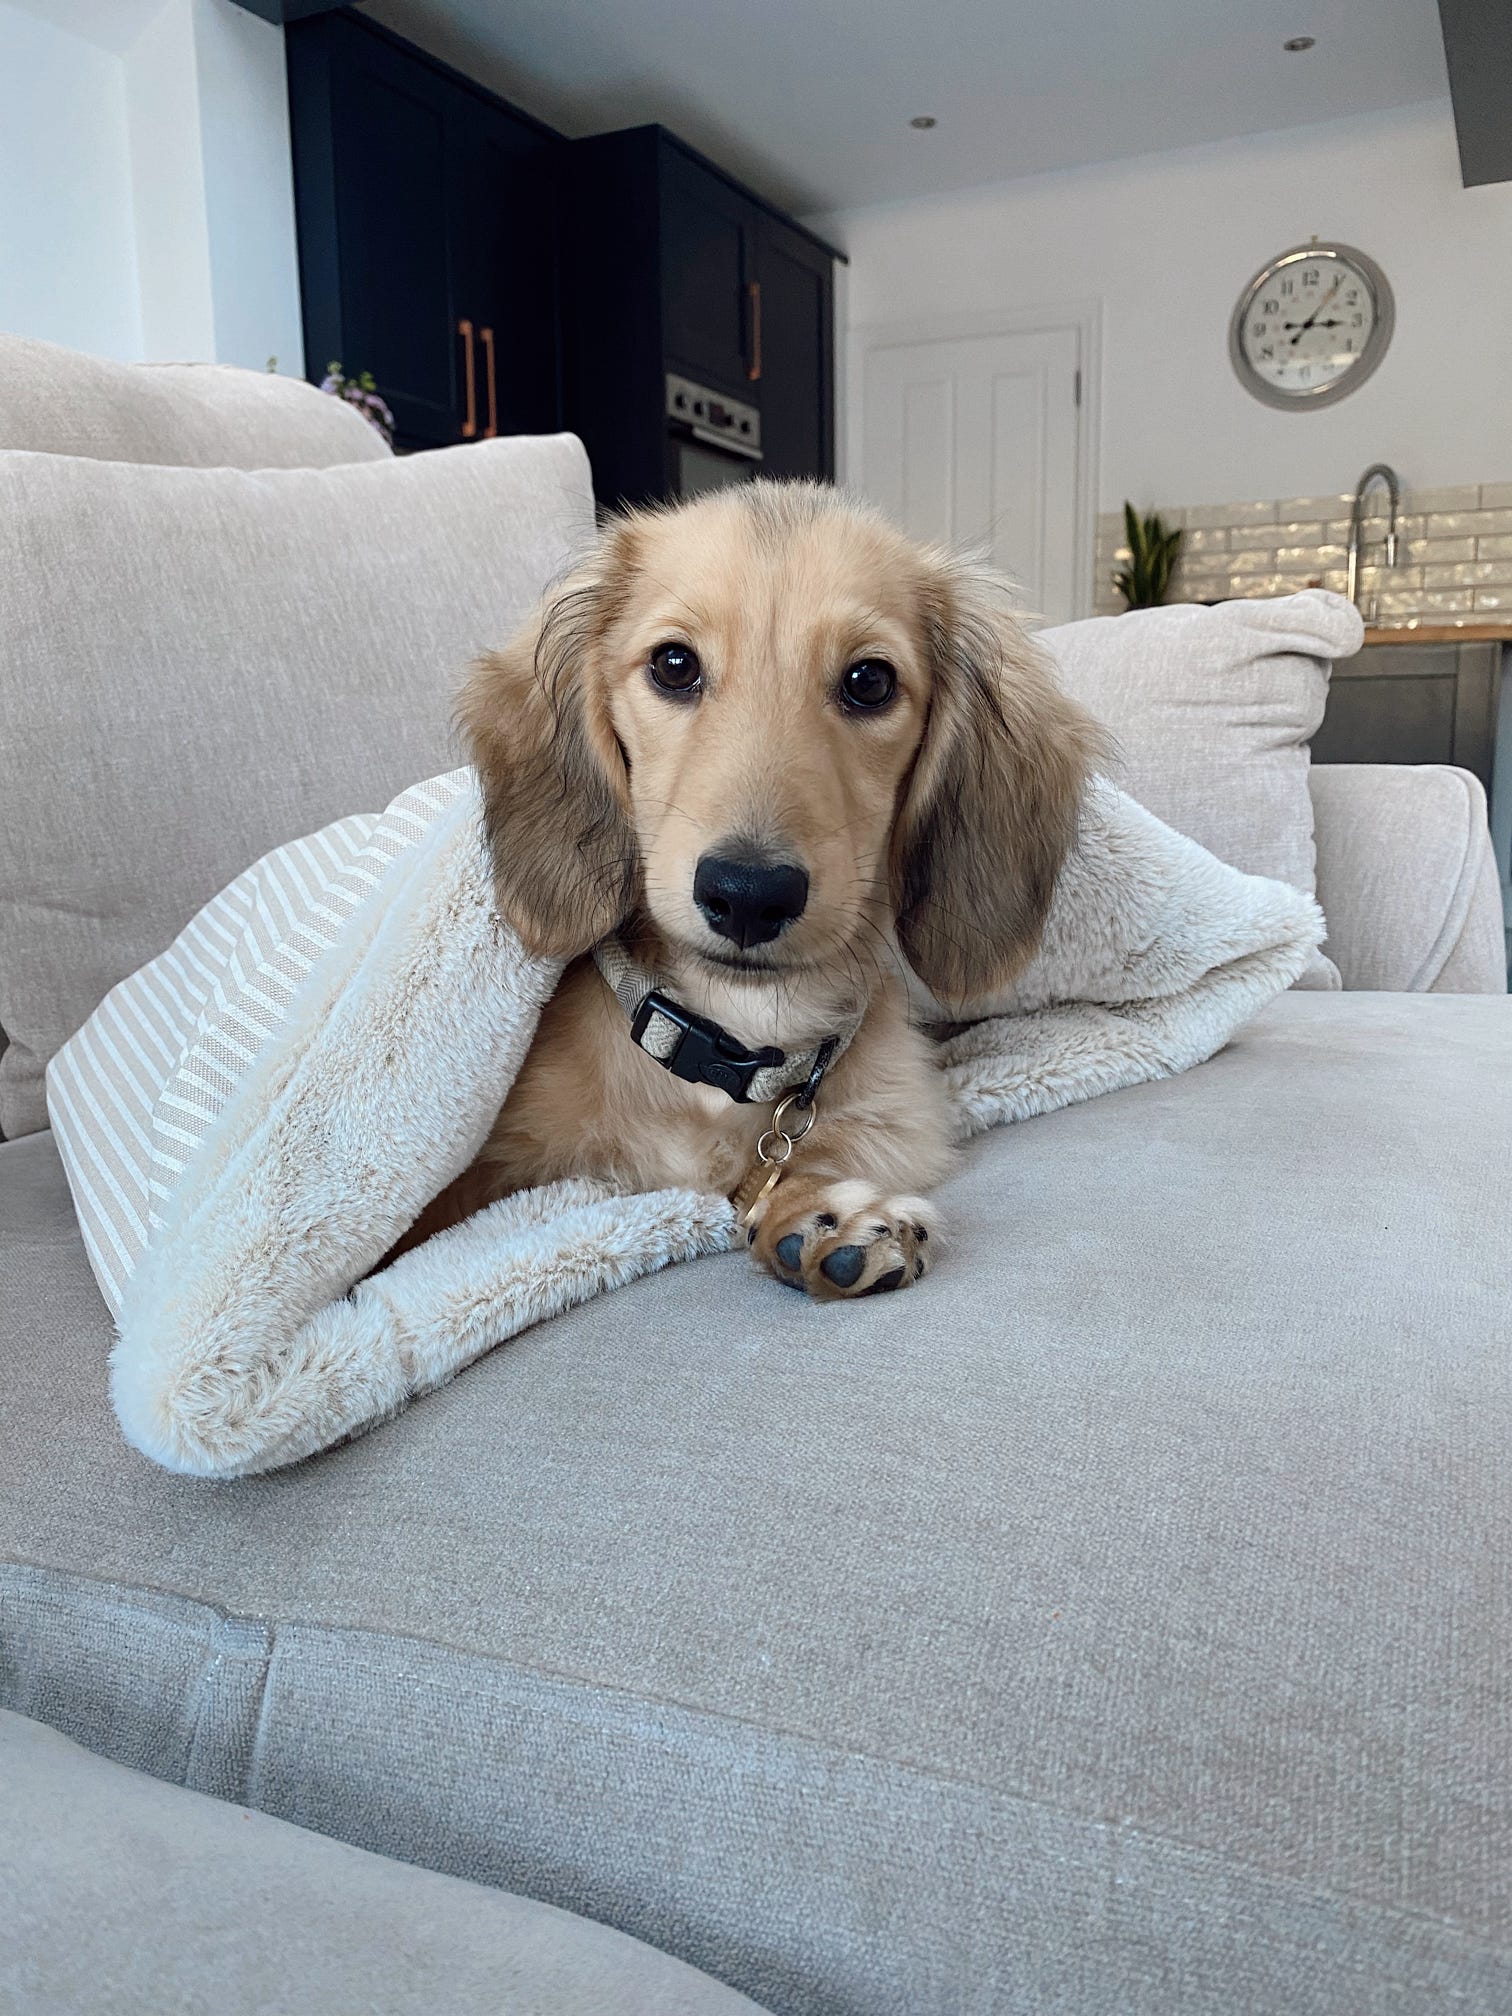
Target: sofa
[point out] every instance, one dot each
(1118, 1623)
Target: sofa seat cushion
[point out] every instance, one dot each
(1117, 1623)
(127, 1897)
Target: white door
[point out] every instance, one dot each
(977, 440)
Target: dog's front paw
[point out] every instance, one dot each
(840, 1240)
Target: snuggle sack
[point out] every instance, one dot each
(250, 1121)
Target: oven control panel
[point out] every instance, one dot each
(710, 416)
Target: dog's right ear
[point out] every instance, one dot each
(556, 794)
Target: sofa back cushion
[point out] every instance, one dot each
(197, 665)
(1213, 710)
(57, 402)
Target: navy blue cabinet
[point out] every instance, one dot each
(669, 266)
(427, 235)
(496, 278)
(795, 341)
(707, 256)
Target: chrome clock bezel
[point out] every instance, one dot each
(1309, 398)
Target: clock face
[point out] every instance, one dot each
(1311, 326)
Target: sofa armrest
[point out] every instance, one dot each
(1407, 878)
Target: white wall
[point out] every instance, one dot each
(67, 250)
(1167, 241)
(248, 172)
(166, 176)
(146, 186)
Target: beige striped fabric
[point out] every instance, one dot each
(133, 1094)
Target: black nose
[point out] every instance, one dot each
(749, 901)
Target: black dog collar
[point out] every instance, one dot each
(699, 1051)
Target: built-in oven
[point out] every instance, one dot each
(715, 441)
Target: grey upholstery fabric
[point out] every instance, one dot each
(330, 613)
(1118, 1624)
(59, 402)
(128, 1897)
(1212, 710)
(1407, 878)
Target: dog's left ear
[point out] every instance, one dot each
(556, 794)
(991, 808)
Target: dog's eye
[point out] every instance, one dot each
(675, 668)
(869, 684)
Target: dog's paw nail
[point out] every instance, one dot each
(921, 1233)
(827, 1221)
(750, 1235)
(885, 1283)
(880, 1231)
(790, 1250)
(918, 1268)
(843, 1266)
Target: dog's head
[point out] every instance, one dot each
(779, 730)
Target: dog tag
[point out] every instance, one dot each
(775, 1148)
(755, 1189)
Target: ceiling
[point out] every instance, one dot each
(810, 100)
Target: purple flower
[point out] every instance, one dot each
(360, 392)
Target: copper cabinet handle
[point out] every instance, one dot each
(486, 336)
(753, 296)
(470, 424)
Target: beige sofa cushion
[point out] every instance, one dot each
(197, 665)
(1407, 878)
(1213, 709)
(198, 415)
(124, 1894)
(1116, 1623)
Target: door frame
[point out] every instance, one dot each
(1083, 315)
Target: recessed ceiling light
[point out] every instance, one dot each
(924, 122)
(1297, 43)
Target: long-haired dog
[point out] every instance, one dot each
(759, 751)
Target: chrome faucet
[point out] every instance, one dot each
(1378, 472)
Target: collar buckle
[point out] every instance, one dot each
(702, 1053)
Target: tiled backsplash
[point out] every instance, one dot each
(1455, 560)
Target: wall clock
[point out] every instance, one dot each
(1311, 326)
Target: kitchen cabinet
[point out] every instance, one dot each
(497, 278)
(707, 252)
(427, 234)
(795, 277)
(670, 266)
(1410, 702)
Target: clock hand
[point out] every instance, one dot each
(1333, 322)
(1317, 311)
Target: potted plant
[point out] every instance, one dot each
(1152, 559)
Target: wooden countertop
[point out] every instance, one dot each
(1440, 633)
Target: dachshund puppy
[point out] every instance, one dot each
(772, 754)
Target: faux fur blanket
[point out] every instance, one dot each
(250, 1121)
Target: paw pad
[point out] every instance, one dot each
(790, 1251)
(844, 1265)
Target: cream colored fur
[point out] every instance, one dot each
(250, 1334)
